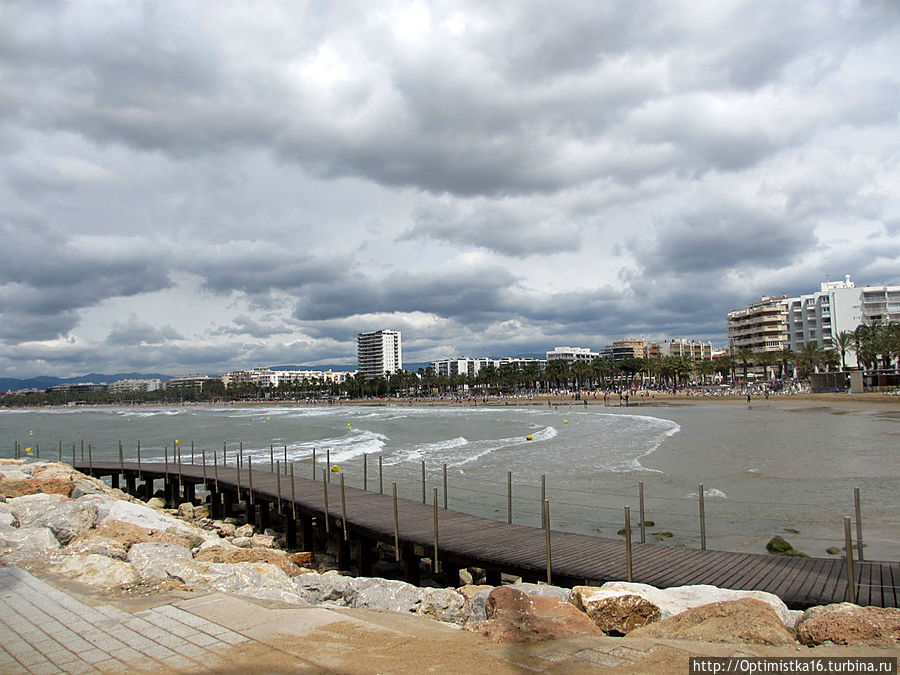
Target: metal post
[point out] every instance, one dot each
(121, 459)
(237, 466)
(314, 463)
(59, 458)
(859, 537)
(546, 513)
(423, 482)
(294, 496)
(285, 460)
(543, 499)
(641, 505)
(192, 453)
(851, 578)
(91, 458)
(140, 475)
(167, 463)
(343, 507)
(177, 449)
(203, 457)
(628, 542)
(216, 469)
(434, 563)
(82, 450)
(73, 455)
(702, 518)
(250, 478)
(325, 495)
(278, 483)
(37, 450)
(380, 475)
(365, 471)
(328, 462)
(445, 487)
(241, 454)
(271, 456)
(396, 527)
(509, 496)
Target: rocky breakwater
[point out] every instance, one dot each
(59, 521)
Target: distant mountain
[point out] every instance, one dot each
(46, 381)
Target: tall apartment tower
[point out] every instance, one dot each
(379, 353)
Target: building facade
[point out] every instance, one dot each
(379, 353)
(128, 386)
(680, 348)
(572, 354)
(761, 327)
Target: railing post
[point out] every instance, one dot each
(278, 482)
(546, 513)
(859, 537)
(543, 499)
(702, 518)
(642, 514)
(294, 498)
(250, 478)
(328, 463)
(325, 496)
(435, 566)
(59, 457)
(396, 527)
(423, 482)
(851, 577)
(121, 459)
(380, 475)
(91, 458)
(628, 543)
(140, 474)
(271, 457)
(365, 472)
(509, 496)
(445, 487)
(285, 460)
(314, 464)
(216, 469)
(343, 507)
(192, 453)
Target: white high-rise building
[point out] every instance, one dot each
(819, 317)
(379, 353)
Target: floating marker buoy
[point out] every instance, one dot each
(28, 450)
(176, 441)
(31, 432)
(335, 469)
(348, 424)
(528, 437)
(565, 421)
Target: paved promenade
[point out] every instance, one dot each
(44, 629)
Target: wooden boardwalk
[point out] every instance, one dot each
(466, 540)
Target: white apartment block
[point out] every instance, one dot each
(681, 348)
(819, 317)
(572, 354)
(127, 386)
(379, 353)
(266, 377)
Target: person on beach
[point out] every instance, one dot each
(748, 399)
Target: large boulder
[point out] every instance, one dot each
(25, 544)
(514, 616)
(104, 546)
(157, 561)
(328, 588)
(66, 519)
(27, 479)
(7, 519)
(543, 590)
(677, 599)
(256, 580)
(621, 614)
(849, 624)
(145, 517)
(747, 620)
(235, 555)
(443, 604)
(99, 570)
(30, 508)
(387, 594)
(475, 597)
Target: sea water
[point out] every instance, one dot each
(765, 471)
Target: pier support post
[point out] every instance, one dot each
(546, 512)
(227, 503)
(628, 543)
(702, 518)
(262, 519)
(290, 530)
(147, 489)
(642, 514)
(309, 539)
(851, 577)
(114, 480)
(190, 492)
(343, 551)
(364, 548)
(215, 504)
(493, 577)
(859, 537)
(130, 484)
(411, 567)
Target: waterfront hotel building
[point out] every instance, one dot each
(379, 353)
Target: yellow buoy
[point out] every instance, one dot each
(348, 424)
(528, 437)
(176, 441)
(335, 469)
(31, 432)
(565, 421)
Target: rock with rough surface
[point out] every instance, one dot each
(66, 520)
(387, 594)
(255, 580)
(302, 558)
(748, 621)
(475, 598)
(143, 516)
(104, 546)
(327, 588)
(155, 561)
(544, 591)
(99, 570)
(31, 507)
(241, 542)
(244, 531)
(24, 544)
(443, 604)
(259, 555)
(262, 541)
(514, 616)
(621, 614)
(849, 624)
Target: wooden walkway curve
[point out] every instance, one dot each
(466, 540)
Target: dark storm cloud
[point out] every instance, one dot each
(46, 277)
(246, 325)
(722, 238)
(137, 332)
(474, 295)
(498, 229)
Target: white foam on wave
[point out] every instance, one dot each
(712, 492)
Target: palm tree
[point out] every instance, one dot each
(843, 341)
(810, 356)
(745, 355)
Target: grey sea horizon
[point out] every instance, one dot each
(766, 471)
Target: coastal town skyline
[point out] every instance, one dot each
(188, 189)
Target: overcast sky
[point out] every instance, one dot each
(203, 186)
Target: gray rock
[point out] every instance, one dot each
(241, 542)
(255, 580)
(155, 561)
(244, 531)
(30, 508)
(465, 577)
(7, 519)
(324, 588)
(99, 570)
(111, 548)
(443, 604)
(25, 544)
(477, 611)
(544, 591)
(390, 595)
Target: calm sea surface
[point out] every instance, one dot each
(765, 471)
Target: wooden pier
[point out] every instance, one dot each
(498, 547)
